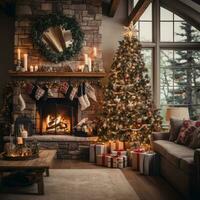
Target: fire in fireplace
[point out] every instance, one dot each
(56, 116)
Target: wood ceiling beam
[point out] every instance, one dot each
(113, 7)
(137, 11)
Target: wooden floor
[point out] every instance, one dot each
(147, 188)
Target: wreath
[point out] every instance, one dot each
(52, 20)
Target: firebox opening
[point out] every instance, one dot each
(56, 116)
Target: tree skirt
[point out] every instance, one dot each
(79, 184)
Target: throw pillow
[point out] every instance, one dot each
(187, 128)
(175, 126)
(195, 140)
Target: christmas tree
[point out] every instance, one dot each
(128, 113)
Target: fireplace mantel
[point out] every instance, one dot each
(57, 74)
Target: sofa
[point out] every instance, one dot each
(179, 165)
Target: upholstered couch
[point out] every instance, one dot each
(179, 165)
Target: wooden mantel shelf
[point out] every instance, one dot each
(58, 74)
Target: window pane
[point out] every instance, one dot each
(147, 15)
(177, 18)
(175, 29)
(165, 14)
(146, 31)
(147, 55)
(180, 78)
(166, 32)
(179, 33)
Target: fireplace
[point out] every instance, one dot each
(56, 116)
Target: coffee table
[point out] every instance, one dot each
(37, 166)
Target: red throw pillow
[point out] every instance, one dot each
(187, 128)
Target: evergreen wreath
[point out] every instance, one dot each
(52, 20)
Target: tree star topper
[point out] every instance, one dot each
(130, 31)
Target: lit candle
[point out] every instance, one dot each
(18, 54)
(36, 68)
(25, 62)
(90, 64)
(31, 68)
(86, 59)
(81, 67)
(95, 52)
(19, 140)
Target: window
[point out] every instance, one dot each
(173, 54)
(144, 25)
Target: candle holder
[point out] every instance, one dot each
(86, 68)
(18, 67)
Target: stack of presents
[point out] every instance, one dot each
(114, 154)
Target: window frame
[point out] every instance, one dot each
(157, 46)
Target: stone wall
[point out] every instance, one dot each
(87, 13)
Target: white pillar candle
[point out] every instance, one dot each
(31, 68)
(36, 68)
(18, 54)
(90, 64)
(25, 62)
(19, 140)
(86, 59)
(95, 52)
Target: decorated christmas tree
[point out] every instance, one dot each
(128, 112)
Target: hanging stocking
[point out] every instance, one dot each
(63, 88)
(73, 93)
(39, 93)
(22, 103)
(85, 95)
(31, 89)
(90, 91)
(81, 99)
(67, 95)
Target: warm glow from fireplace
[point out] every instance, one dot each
(59, 124)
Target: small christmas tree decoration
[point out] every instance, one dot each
(128, 112)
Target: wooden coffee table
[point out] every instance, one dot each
(37, 166)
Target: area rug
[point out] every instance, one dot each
(82, 184)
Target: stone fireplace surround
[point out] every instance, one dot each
(89, 16)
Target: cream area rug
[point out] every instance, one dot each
(81, 184)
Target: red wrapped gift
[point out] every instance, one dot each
(136, 158)
(111, 161)
(100, 159)
(122, 162)
(119, 153)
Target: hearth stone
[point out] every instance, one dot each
(68, 147)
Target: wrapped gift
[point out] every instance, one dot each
(119, 153)
(149, 163)
(108, 161)
(92, 153)
(111, 161)
(136, 158)
(129, 157)
(119, 145)
(122, 162)
(100, 160)
(112, 146)
(100, 149)
(97, 149)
